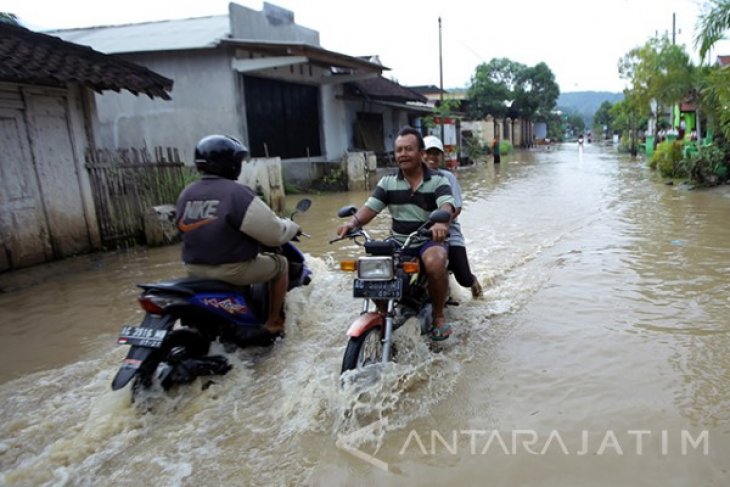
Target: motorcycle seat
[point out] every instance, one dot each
(191, 286)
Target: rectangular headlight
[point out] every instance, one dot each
(375, 268)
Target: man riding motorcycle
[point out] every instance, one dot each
(410, 196)
(224, 224)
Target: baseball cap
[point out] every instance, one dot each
(432, 142)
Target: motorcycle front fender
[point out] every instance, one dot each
(365, 322)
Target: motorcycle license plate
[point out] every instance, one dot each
(141, 337)
(378, 289)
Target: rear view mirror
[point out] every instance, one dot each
(346, 211)
(302, 206)
(439, 216)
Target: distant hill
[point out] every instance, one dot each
(585, 103)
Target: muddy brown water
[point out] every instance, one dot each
(598, 355)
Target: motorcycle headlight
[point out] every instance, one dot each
(375, 268)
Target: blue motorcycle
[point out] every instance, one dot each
(206, 310)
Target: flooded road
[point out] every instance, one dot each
(598, 355)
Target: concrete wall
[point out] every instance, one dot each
(336, 123)
(264, 176)
(204, 101)
(273, 24)
(360, 169)
(540, 130)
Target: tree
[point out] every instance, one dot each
(626, 117)
(535, 91)
(9, 18)
(602, 118)
(491, 86)
(714, 21)
(715, 96)
(658, 71)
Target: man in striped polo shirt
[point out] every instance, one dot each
(410, 195)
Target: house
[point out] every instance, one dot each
(47, 121)
(256, 75)
(723, 61)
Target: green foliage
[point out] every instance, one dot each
(502, 83)
(490, 87)
(189, 175)
(9, 18)
(535, 91)
(715, 94)
(475, 147)
(658, 70)
(602, 118)
(505, 147)
(710, 166)
(624, 144)
(713, 22)
(446, 109)
(555, 127)
(576, 122)
(667, 159)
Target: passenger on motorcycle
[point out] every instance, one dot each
(458, 261)
(224, 224)
(410, 195)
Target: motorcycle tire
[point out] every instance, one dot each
(363, 350)
(194, 343)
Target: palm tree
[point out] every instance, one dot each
(9, 18)
(712, 24)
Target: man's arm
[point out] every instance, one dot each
(262, 224)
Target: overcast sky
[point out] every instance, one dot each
(580, 40)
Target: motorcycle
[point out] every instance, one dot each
(389, 280)
(206, 310)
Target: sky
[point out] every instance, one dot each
(581, 41)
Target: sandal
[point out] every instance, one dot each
(442, 332)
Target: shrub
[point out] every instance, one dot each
(505, 147)
(667, 158)
(710, 166)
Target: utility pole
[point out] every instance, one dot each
(674, 28)
(441, 82)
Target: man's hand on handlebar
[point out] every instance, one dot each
(346, 228)
(439, 232)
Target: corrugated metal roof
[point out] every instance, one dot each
(166, 35)
(32, 57)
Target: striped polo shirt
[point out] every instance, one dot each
(408, 208)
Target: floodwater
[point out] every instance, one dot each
(598, 355)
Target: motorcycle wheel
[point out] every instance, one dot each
(193, 343)
(363, 350)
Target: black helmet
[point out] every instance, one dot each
(221, 155)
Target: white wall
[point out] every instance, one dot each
(204, 101)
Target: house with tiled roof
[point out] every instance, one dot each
(723, 61)
(47, 122)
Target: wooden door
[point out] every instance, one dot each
(56, 165)
(24, 236)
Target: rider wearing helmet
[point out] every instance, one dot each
(224, 224)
